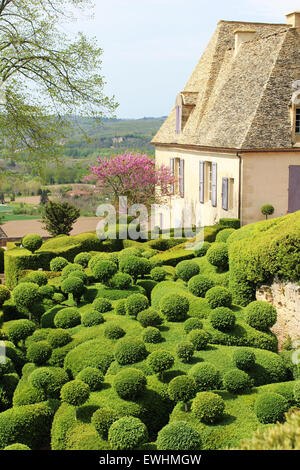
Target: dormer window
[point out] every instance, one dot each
(298, 121)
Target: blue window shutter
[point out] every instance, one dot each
(178, 119)
(201, 182)
(181, 177)
(172, 168)
(214, 185)
(225, 194)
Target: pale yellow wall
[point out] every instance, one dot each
(228, 166)
(265, 180)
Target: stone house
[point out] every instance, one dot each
(233, 136)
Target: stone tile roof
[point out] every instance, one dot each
(2, 233)
(240, 101)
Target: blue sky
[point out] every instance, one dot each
(151, 46)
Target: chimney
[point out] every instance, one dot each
(293, 20)
(241, 36)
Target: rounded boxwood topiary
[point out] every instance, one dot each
(91, 376)
(73, 285)
(261, 315)
(130, 351)
(19, 330)
(271, 407)
(135, 304)
(185, 351)
(134, 266)
(192, 324)
(121, 281)
(178, 436)
(17, 446)
(174, 307)
(218, 297)
(217, 255)
(83, 259)
(102, 305)
(223, 319)
(127, 433)
(48, 379)
(182, 388)
(158, 274)
(91, 317)
(58, 338)
(199, 285)
(223, 236)
(130, 383)
(199, 339)
(46, 292)
(208, 407)
(37, 277)
(104, 270)
(206, 376)
(96, 258)
(149, 317)
(67, 318)
(25, 295)
(32, 242)
(67, 270)
(151, 335)
(267, 209)
(243, 359)
(4, 294)
(113, 331)
(75, 393)
(160, 361)
(58, 264)
(120, 307)
(39, 352)
(202, 249)
(185, 270)
(102, 420)
(237, 381)
(80, 274)
(58, 298)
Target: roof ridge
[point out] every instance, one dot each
(251, 22)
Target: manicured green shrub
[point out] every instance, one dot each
(178, 436)
(243, 359)
(32, 242)
(58, 264)
(17, 446)
(223, 319)
(174, 307)
(182, 388)
(270, 407)
(223, 236)
(135, 304)
(208, 407)
(237, 381)
(158, 274)
(4, 294)
(48, 379)
(218, 297)
(102, 420)
(261, 315)
(231, 223)
(120, 307)
(127, 433)
(67, 318)
(160, 361)
(24, 296)
(267, 209)
(135, 266)
(102, 305)
(39, 352)
(58, 338)
(91, 317)
(19, 330)
(121, 281)
(91, 376)
(149, 317)
(70, 268)
(104, 271)
(151, 335)
(192, 324)
(199, 339)
(130, 383)
(37, 277)
(202, 249)
(73, 285)
(83, 259)
(81, 275)
(46, 292)
(296, 392)
(199, 285)
(75, 393)
(185, 351)
(206, 376)
(217, 255)
(113, 331)
(130, 351)
(185, 270)
(58, 298)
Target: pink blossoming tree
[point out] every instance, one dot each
(135, 176)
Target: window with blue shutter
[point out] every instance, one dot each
(172, 168)
(178, 119)
(225, 194)
(214, 185)
(181, 177)
(201, 182)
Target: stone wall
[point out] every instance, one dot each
(286, 299)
